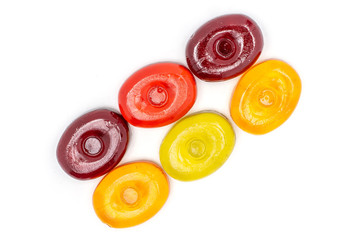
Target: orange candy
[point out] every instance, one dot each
(131, 194)
(265, 97)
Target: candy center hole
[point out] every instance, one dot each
(196, 148)
(93, 146)
(157, 96)
(225, 48)
(130, 196)
(267, 97)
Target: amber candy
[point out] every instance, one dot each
(265, 97)
(131, 194)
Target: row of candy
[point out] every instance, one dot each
(197, 145)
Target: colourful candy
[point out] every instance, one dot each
(157, 95)
(131, 194)
(197, 146)
(93, 144)
(265, 97)
(224, 47)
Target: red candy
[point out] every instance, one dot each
(93, 144)
(157, 95)
(224, 47)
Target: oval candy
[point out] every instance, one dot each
(157, 95)
(224, 47)
(93, 144)
(265, 97)
(197, 146)
(131, 194)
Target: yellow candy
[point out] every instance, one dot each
(197, 146)
(265, 97)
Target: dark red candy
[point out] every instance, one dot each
(224, 47)
(93, 144)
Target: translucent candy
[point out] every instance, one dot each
(157, 95)
(224, 47)
(93, 144)
(197, 146)
(265, 97)
(131, 194)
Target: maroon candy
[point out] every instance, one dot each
(93, 144)
(224, 47)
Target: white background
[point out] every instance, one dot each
(61, 59)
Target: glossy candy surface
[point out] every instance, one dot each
(265, 97)
(224, 47)
(197, 146)
(157, 95)
(93, 144)
(131, 194)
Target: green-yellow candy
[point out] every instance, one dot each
(197, 146)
